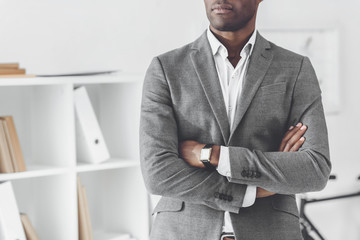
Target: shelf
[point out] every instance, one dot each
(113, 163)
(35, 171)
(43, 111)
(46, 170)
(50, 203)
(94, 79)
(117, 201)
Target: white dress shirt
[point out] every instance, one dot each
(231, 80)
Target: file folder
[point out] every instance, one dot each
(90, 143)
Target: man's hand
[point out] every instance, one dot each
(190, 152)
(293, 138)
(291, 142)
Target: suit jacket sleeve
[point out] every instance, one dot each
(291, 172)
(164, 172)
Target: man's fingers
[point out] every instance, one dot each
(295, 138)
(297, 145)
(288, 135)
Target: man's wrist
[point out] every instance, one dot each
(214, 159)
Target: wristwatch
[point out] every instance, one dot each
(205, 156)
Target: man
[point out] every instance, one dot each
(222, 121)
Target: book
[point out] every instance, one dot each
(15, 147)
(85, 229)
(87, 213)
(29, 230)
(9, 71)
(90, 142)
(9, 65)
(10, 222)
(6, 165)
(10, 145)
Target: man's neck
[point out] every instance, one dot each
(233, 41)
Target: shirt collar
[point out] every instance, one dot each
(218, 47)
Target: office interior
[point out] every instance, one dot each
(58, 37)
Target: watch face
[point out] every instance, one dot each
(205, 154)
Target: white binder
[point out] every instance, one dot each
(90, 143)
(10, 222)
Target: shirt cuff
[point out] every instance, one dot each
(250, 196)
(223, 167)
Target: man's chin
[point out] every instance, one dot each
(229, 24)
(226, 27)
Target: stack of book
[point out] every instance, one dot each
(12, 70)
(12, 224)
(11, 157)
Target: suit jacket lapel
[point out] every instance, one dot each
(205, 68)
(258, 66)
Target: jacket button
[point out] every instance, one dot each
(230, 198)
(216, 195)
(225, 197)
(244, 173)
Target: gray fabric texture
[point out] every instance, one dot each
(182, 100)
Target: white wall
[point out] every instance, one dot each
(48, 36)
(338, 219)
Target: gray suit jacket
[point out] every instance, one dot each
(182, 100)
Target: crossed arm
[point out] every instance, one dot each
(291, 142)
(166, 173)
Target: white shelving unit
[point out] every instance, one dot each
(44, 117)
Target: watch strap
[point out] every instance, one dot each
(206, 162)
(208, 165)
(208, 146)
